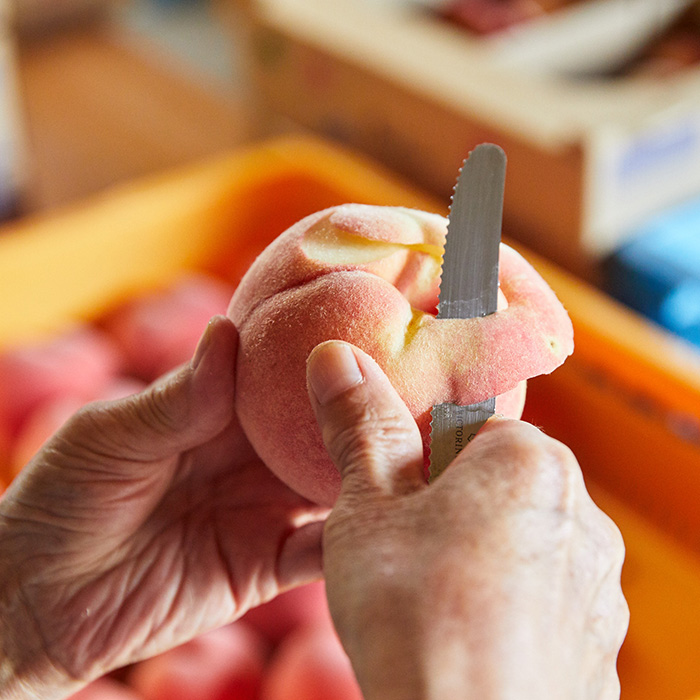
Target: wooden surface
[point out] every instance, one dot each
(102, 106)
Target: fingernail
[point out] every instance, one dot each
(332, 369)
(203, 345)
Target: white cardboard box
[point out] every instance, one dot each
(588, 159)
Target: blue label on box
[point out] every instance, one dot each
(634, 173)
(657, 272)
(659, 150)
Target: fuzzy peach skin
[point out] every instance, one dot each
(370, 276)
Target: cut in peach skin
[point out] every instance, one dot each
(370, 276)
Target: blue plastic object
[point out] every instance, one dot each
(657, 272)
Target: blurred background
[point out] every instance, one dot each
(98, 92)
(126, 122)
(596, 102)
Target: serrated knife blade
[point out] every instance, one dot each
(469, 284)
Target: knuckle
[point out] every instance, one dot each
(558, 459)
(527, 444)
(623, 609)
(623, 620)
(615, 540)
(608, 537)
(541, 470)
(611, 689)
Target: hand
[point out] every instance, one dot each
(500, 580)
(142, 523)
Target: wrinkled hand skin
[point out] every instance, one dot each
(499, 581)
(144, 522)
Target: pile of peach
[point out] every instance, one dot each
(43, 383)
(286, 649)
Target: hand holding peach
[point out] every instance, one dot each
(370, 276)
(142, 523)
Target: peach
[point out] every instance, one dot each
(490, 16)
(225, 664)
(79, 362)
(5, 449)
(310, 664)
(48, 417)
(370, 275)
(160, 330)
(39, 426)
(298, 607)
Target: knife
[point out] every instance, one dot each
(469, 285)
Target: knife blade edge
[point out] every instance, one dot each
(469, 284)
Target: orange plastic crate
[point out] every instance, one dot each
(627, 401)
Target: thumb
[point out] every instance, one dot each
(179, 411)
(366, 427)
